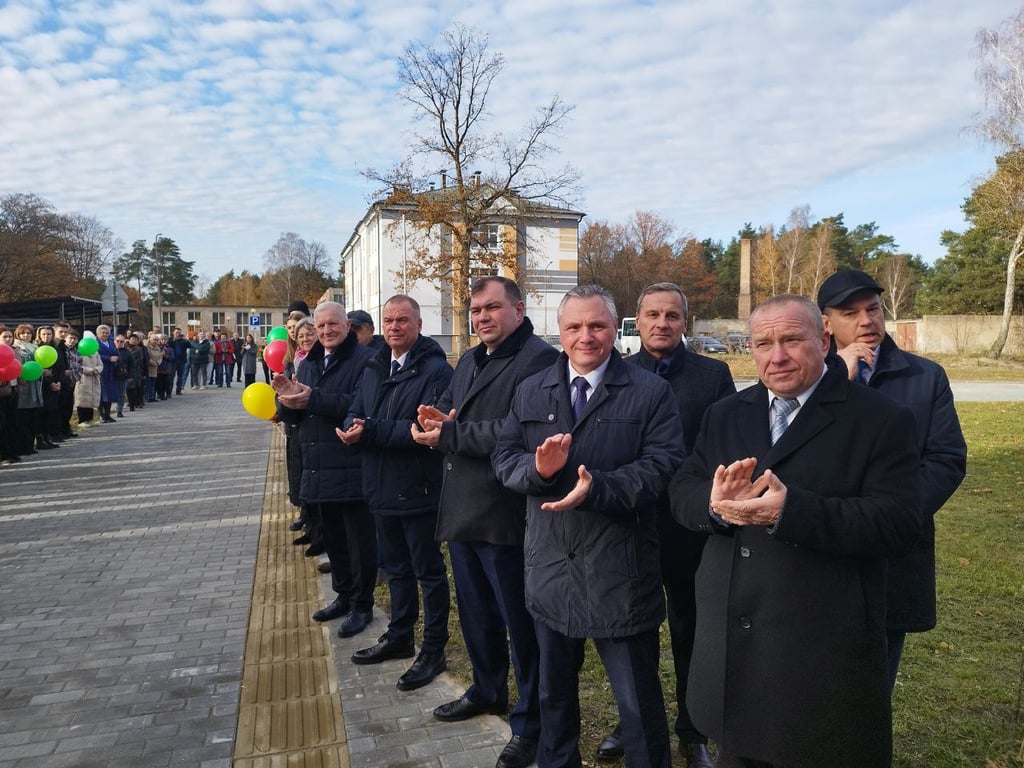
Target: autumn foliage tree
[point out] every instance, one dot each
(448, 85)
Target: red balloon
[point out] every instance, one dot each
(11, 370)
(274, 355)
(6, 355)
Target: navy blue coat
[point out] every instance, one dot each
(400, 477)
(474, 505)
(789, 659)
(922, 386)
(331, 470)
(594, 571)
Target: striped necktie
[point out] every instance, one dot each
(780, 416)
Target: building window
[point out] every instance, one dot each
(167, 322)
(487, 237)
(219, 320)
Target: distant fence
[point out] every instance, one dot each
(936, 334)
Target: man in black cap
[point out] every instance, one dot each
(362, 326)
(850, 301)
(299, 306)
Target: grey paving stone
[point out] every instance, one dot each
(148, 568)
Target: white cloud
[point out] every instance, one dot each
(224, 123)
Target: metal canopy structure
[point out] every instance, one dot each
(79, 312)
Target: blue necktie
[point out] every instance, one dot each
(327, 360)
(661, 368)
(395, 366)
(580, 385)
(780, 416)
(863, 372)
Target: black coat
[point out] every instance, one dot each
(594, 571)
(331, 470)
(474, 505)
(400, 476)
(789, 660)
(923, 387)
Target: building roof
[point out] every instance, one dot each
(74, 309)
(521, 207)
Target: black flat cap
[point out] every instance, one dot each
(360, 318)
(842, 285)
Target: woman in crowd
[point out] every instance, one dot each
(154, 356)
(165, 371)
(136, 372)
(88, 391)
(71, 379)
(108, 384)
(9, 442)
(250, 356)
(30, 394)
(199, 356)
(121, 370)
(53, 376)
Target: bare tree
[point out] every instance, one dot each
(87, 246)
(449, 85)
(899, 280)
(1001, 74)
(295, 269)
(821, 259)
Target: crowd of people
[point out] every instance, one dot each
(786, 527)
(126, 371)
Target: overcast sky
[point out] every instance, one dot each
(224, 123)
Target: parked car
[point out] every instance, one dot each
(737, 342)
(709, 345)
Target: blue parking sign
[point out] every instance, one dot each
(254, 321)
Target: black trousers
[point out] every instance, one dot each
(350, 541)
(681, 550)
(632, 667)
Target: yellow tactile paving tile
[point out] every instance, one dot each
(287, 680)
(287, 644)
(290, 713)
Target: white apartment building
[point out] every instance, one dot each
(376, 257)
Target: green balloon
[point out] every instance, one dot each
(88, 346)
(45, 356)
(31, 370)
(280, 332)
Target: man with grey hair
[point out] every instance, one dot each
(317, 398)
(805, 483)
(592, 441)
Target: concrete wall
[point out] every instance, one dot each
(935, 334)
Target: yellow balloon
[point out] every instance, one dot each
(258, 400)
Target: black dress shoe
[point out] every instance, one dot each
(465, 708)
(331, 611)
(297, 525)
(518, 753)
(611, 747)
(355, 623)
(314, 551)
(697, 755)
(324, 567)
(303, 539)
(384, 649)
(40, 445)
(428, 665)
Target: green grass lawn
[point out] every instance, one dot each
(958, 702)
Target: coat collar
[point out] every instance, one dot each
(814, 416)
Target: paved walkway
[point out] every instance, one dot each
(154, 613)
